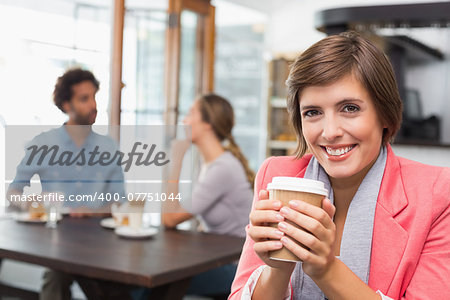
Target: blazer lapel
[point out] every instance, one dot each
(307, 159)
(389, 238)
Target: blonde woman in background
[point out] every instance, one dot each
(222, 197)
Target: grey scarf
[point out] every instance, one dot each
(357, 236)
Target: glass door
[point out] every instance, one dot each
(189, 55)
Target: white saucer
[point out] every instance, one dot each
(131, 233)
(108, 223)
(25, 218)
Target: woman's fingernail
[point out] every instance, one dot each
(278, 244)
(276, 204)
(284, 240)
(278, 233)
(284, 210)
(282, 225)
(293, 203)
(279, 217)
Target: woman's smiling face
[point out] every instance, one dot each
(341, 126)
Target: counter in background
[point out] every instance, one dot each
(436, 155)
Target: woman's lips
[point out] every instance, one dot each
(342, 156)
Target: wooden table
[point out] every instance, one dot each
(82, 247)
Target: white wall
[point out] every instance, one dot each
(290, 27)
(433, 79)
(290, 30)
(436, 156)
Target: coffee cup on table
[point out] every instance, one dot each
(135, 213)
(285, 189)
(119, 214)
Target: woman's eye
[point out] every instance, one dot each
(311, 113)
(351, 108)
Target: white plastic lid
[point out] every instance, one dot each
(298, 185)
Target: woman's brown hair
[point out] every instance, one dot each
(334, 57)
(218, 112)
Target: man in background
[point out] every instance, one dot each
(74, 95)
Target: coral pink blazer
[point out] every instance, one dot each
(410, 256)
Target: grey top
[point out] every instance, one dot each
(356, 241)
(222, 196)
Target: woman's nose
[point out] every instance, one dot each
(331, 129)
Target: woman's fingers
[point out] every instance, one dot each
(305, 238)
(259, 233)
(313, 228)
(259, 217)
(328, 207)
(263, 195)
(265, 211)
(268, 204)
(314, 212)
(262, 248)
(302, 253)
(306, 222)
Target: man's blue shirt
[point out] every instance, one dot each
(84, 179)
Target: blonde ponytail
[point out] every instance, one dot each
(236, 151)
(218, 112)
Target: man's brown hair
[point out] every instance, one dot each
(63, 87)
(331, 59)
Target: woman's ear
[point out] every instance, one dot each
(207, 126)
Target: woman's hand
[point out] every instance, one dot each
(320, 238)
(267, 238)
(179, 149)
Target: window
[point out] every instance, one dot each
(240, 70)
(40, 40)
(143, 101)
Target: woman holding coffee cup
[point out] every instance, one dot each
(382, 232)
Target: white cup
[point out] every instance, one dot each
(135, 219)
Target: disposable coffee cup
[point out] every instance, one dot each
(285, 189)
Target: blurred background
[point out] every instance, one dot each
(153, 57)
